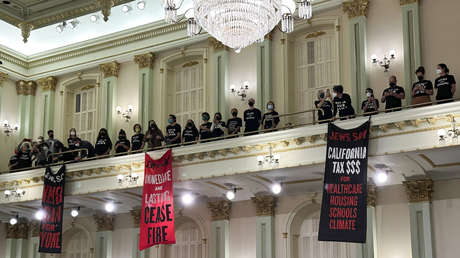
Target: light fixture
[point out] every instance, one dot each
(238, 24)
(385, 61)
(74, 23)
(381, 177)
(140, 5)
(451, 135)
(14, 220)
(193, 28)
(109, 207)
(39, 215)
(242, 91)
(272, 158)
(94, 18)
(126, 8)
(276, 188)
(74, 212)
(128, 179)
(8, 129)
(125, 114)
(15, 193)
(187, 199)
(231, 194)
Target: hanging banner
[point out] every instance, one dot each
(157, 214)
(344, 205)
(52, 207)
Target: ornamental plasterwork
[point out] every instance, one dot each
(315, 34)
(404, 2)
(110, 69)
(106, 8)
(18, 231)
(104, 222)
(47, 84)
(216, 44)
(419, 190)
(144, 60)
(136, 214)
(26, 28)
(220, 210)
(3, 78)
(34, 229)
(371, 195)
(26, 88)
(356, 8)
(265, 205)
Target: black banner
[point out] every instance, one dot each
(52, 207)
(344, 206)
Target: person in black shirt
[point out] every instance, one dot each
(103, 144)
(270, 120)
(371, 105)
(123, 144)
(205, 128)
(190, 133)
(252, 118)
(43, 152)
(55, 146)
(218, 126)
(445, 84)
(23, 159)
(324, 106)
(342, 103)
(173, 131)
(137, 140)
(153, 137)
(234, 124)
(74, 144)
(393, 96)
(422, 89)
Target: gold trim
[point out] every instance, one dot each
(110, 69)
(419, 190)
(106, 8)
(145, 60)
(3, 78)
(315, 34)
(356, 8)
(423, 156)
(216, 185)
(216, 44)
(26, 28)
(26, 88)
(47, 84)
(190, 64)
(220, 210)
(265, 205)
(404, 2)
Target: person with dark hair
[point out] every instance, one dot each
(324, 106)
(205, 127)
(88, 150)
(190, 133)
(137, 140)
(371, 105)
(42, 152)
(122, 145)
(393, 95)
(342, 103)
(234, 124)
(173, 131)
(103, 144)
(55, 146)
(153, 137)
(445, 84)
(422, 89)
(74, 144)
(252, 118)
(270, 120)
(218, 126)
(23, 159)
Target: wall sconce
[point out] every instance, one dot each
(125, 114)
(8, 129)
(241, 92)
(17, 193)
(272, 158)
(386, 61)
(129, 179)
(450, 135)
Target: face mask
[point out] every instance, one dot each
(205, 118)
(369, 94)
(438, 71)
(137, 130)
(234, 113)
(334, 94)
(72, 133)
(251, 104)
(270, 107)
(392, 84)
(45, 148)
(218, 118)
(40, 140)
(51, 136)
(420, 78)
(170, 120)
(322, 95)
(121, 137)
(189, 124)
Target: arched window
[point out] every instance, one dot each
(188, 242)
(76, 244)
(84, 115)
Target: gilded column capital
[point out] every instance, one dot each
(145, 60)
(419, 190)
(110, 69)
(371, 195)
(18, 231)
(356, 8)
(3, 78)
(265, 205)
(217, 45)
(104, 222)
(48, 83)
(34, 229)
(106, 8)
(136, 214)
(26, 28)
(26, 88)
(220, 210)
(404, 2)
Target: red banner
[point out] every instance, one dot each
(157, 214)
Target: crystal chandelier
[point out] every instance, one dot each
(238, 23)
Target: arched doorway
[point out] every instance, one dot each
(188, 240)
(76, 244)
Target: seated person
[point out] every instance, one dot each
(422, 89)
(270, 120)
(393, 96)
(122, 145)
(371, 105)
(342, 103)
(324, 106)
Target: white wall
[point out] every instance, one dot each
(9, 111)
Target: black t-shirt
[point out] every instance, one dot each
(252, 119)
(372, 107)
(424, 86)
(233, 123)
(89, 152)
(270, 119)
(73, 143)
(206, 134)
(343, 106)
(444, 86)
(120, 149)
(391, 101)
(102, 146)
(136, 141)
(24, 160)
(190, 134)
(325, 111)
(218, 129)
(173, 131)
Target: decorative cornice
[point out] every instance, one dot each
(216, 44)
(419, 190)
(34, 229)
(371, 195)
(265, 205)
(404, 2)
(47, 84)
(136, 214)
(26, 88)
(3, 78)
(18, 231)
(106, 8)
(110, 69)
(104, 222)
(145, 60)
(26, 28)
(356, 8)
(315, 34)
(190, 64)
(220, 210)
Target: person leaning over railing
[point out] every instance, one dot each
(270, 120)
(122, 145)
(234, 124)
(422, 89)
(445, 84)
(342, 103)
(324, 106)
(103, 144)
(371, 105)
(393, 96)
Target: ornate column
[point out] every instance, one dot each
(357, 13)
(136, 215)
(3, 78)
(48, 88)
(26, 102)
(16, 239)
(104, 223)
(264, 71)
(220, 229)
(34, 240)
(109, 96)
(411, 40)
(145, 109)
(419, 196)
(265, 225)
(369, 249)
(220, 59)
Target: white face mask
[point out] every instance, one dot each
(334, 94)
(72, 133)
(438, 71)
(368, 94)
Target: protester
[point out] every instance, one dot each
(88, 150)
(122, 145)
(270, 120)
(218, 126)
(205, 128)
(235, 123)
(422, 89)
(153, 137)
(371, 105)
(393, 96)
(42, 153)
(252, 118)
(55, 146)
(342, 103)
(137, 140)
(74, 145)
(190, 133)
(23, 159)
(103, 144)
(445, 84)
(324, 106)
(173, 131)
